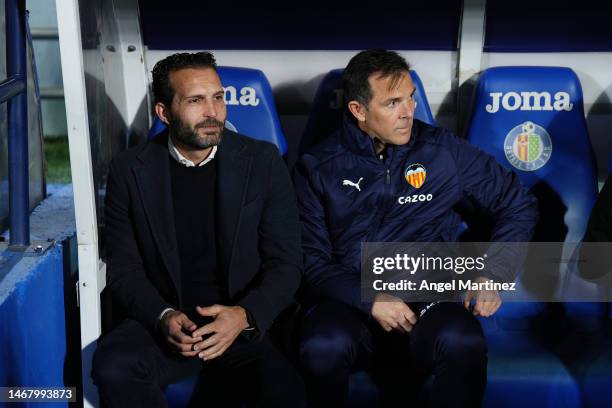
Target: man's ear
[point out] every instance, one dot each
(162, 112)
(358, 110)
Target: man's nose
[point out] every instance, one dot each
(209, 109)
(407, 109)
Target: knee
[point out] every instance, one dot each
(323, 354)
(112, 366)
(462, 339)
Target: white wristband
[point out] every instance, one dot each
(163, 313)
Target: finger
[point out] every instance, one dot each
(188, 353)
(181, 337)
(468, 300)
(398, 327)
(485, 308)
(187, 324)
(495, 306)
(405, 325)
(209, 342)
(210, 310)
(409, 314)
(385, 326)
(181, 347)
(489, 304)
(411, 317)
(215, 355)
(205, 355)
(206, 329)
(476, 311)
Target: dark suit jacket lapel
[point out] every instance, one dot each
(153, 180)
(232, 181)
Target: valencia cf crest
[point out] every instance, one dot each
(415, 175)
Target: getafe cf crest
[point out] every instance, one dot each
(528, 146)
(415, 175)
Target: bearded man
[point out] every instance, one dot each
(203, 253)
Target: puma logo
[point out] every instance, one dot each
(350, 183)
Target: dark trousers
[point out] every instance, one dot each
(132, 366)
(445, 348)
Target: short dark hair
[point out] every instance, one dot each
(162, 89)
(366, 63)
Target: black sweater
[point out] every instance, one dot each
(193, 190)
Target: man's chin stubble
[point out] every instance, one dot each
(210, 140)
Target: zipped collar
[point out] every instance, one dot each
(360, 143)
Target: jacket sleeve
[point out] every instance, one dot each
(499, 192)
(323, 277)
(599, 229)
(279, 249)
(126, 277)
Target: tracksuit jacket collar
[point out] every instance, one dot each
(361, 143)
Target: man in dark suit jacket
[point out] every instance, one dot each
(204, 253)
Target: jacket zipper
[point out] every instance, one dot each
(381, 213)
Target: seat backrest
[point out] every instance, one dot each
(250, 106)
(531, 119)
(326, 113)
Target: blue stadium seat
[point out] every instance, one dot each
(565, 166)
(326, 113)
(178, 395)
(557, 161)
(250, 107)
(531, 119)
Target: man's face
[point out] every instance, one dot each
(197, 114)
(389, 114)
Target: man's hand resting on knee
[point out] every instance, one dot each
(173, 326)
(229, 322)
(392, 313)
(486, 302)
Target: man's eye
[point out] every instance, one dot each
(392, 104)
(219, 97)
(195, 100)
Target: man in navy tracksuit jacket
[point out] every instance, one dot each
(386, 177)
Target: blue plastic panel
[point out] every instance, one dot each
(32, 322)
